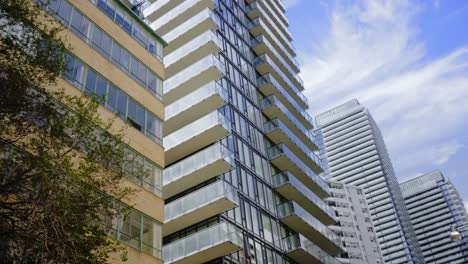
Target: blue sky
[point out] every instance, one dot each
(407, 61)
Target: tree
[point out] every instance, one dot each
(60, 169)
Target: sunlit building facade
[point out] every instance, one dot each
(434, 206)
(355, 154)
(114, 55)
(241, 181)
(354, 226)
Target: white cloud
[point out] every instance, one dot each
(290, 3)
(372, 52)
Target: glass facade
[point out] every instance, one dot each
(435, 206)
(256, 218)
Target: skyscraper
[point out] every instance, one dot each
(434, 206)
(356, 154)
(241, 182)
(114, 55)
(355, 225)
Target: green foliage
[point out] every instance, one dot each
(58, 163)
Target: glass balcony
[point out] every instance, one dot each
(291, 188)
(286, 160)
(264, 64)
(197, 168)
(205, 20)
(264, 10)
(193, 77)
(199, 205)
(203, 45)
(294, 99)
(194, 105)
(179, 14)
(262, 45)
(255, 11)
(273, 108)
(195, 136)
(203, 246)
(279, 12)
(302, 250)
(259, 27)
(280, 133)
(299, 220)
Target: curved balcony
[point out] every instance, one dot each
(292, 189)
(196, 49)
(286, 160)
(197, 168)
(179, 14)
(203, 246)
(302, 250)
(193, 77)
(195, 136)
(194, 26)
(194, 106)
(299, 220)
(199, 205)
(280, 133)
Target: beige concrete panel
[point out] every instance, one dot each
(134, 257)
(94, 59)
(132, 136)
(145, 201)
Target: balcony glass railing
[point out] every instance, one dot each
(281, 149)
(262, 40)
(203, 240)
(191, 47)
(273, 101)
(186, 102)
(292, 208)
(277, 124)
(298, 241)
(268, 78)
(264, 58)
(197, 161)
(268, 20)
(287, 178)
(192, 71)
(190, 24)
(259, 23)
(278, 11)
(196, 128)
(274, 17)
(291, 73)
(198, 199)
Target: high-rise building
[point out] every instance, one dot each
(356, 154)
(355, 226)
(116, 56)
(241, 182)
(434, 206)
